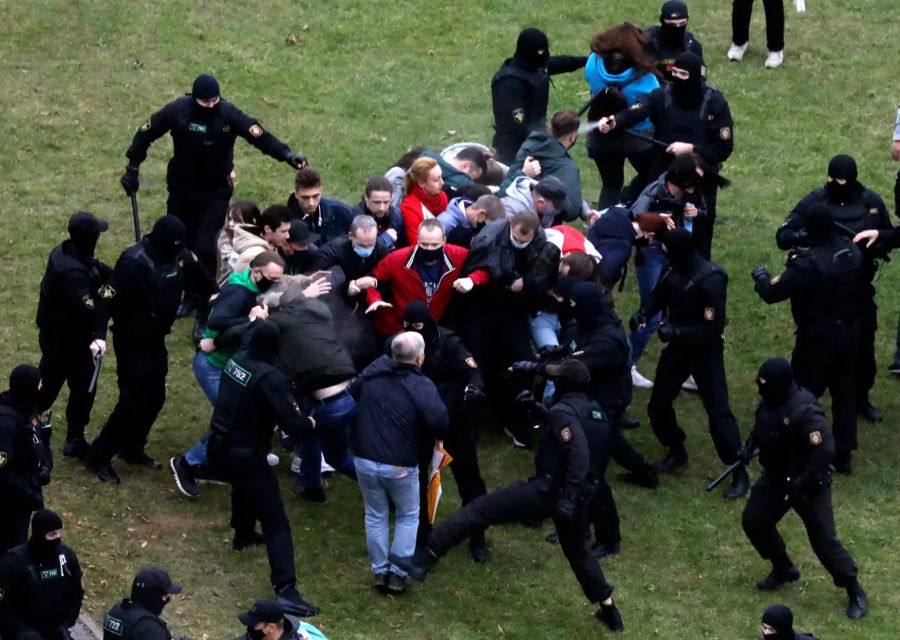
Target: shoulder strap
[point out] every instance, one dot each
(707, 98)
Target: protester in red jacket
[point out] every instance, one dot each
(427, 271)
(424, 197)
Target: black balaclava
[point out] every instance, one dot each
(590, 307)
(152, 599)
(615, 62)
(671, 35)
(23, 385)
(683, 173)
(563, 288)
(264, 340)
(780, 618)
(415, 312)
(531, 41)
(688, 92)
(84, 232)
(43, 522)
(205, 88)
(774, 380)
(679, 248)
(819, 222)
(167, 238)
(843, 167)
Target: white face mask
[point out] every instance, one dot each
(517, 244)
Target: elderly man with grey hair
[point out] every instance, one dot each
(399, 414)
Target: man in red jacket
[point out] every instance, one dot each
(428, 271)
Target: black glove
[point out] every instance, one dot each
(759, 271)
(637, 320)
(526, 397)
(297, 160)
(667, 332)
(472, 393)
(527, 366)
(565, 508)
(746, 453)
(130, 180)
(553, 352)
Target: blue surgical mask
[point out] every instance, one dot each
(363, 252)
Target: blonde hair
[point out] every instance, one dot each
(418, 173)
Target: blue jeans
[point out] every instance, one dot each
(208, 378)
(648, 275)
(545, 329)
(381, 485)
(331, 437)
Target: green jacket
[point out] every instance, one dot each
(235, 300)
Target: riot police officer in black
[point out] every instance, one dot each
(559, 489)
(254, 397)
(138, 618)
(41, 588)
(670, 38)
(25, 459)
(692, 293)
(143, 295)
(795, 450)
(72, 325)
(520, 91)
(856, 209)
(453, 370)
(826, 284)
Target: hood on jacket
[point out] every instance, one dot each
(456, 210)
(243, 279)
(518, 196)
(244, 238)
(595, 70)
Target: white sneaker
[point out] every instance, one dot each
(774, 59)
(272, 459)
(296, 461)
(640, 381)
(516, 443)
(689, 384)
(327, 468)
(736, 52)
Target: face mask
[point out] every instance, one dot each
(516, 244)
(363, 252)
(255, 634)
(615, 63)
(839, 192)
(687, 91)
(672, 35)
(44, 550)
(429, 255)
(264, 284)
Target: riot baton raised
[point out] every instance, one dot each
(137, 220)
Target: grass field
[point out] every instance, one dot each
(363, 82)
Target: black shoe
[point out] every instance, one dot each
(676, 459)
(204, 474)
(778, 577)
(516, 442)
(609, 615)
(141, 460)
(842, 461)
(184, 477)
(628, 422)
(310, 494)
(243, 540)
(185, 309)
(106, 473)
(894, 368)
(76, 448)
(290, 600)
(859, 603)
(479, 553)
(381, 581)
(740, 484)
(552, 538)
(869, 413)
(602, 550)
(646, 477)
(199, 330)
(396, 585)
(422, 562)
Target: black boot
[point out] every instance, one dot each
(289, 598)
(645, 477)
(859, 603)
(609, 615)
(422, 562)
(740, 484)
(869, 413)
(781, 573)
(243, 540)
(629, 422)
(76, 447)
(199, 329)
(676, 459)
(478, 550)
(841, 462)
(141, 459)
(602, 550)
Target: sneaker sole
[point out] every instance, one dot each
(516, 443)
(178, 484)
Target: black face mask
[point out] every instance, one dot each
(671, 35)
(839, 192)
(264, 284)
(205, 114)
(43, 550)
(255, 634)
(428, 256)
(165, 251)
(688, 91)
(615, 63)
(85, 243)
(428, 331)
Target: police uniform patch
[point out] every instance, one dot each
(518, 115)
(597, 415)
(710, 117)
(873, 211)
(3, 458)
(709, 314)
(470, 361)
(181, 264)
(146, 125)
(256, 130)
(107, 292)
(815, 438)
(88, 301)
(776, 279)
(787, 421)
(565, 434)
(635, 106)
(725, 133)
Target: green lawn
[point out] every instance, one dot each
(365, 81)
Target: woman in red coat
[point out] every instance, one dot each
(424, 198)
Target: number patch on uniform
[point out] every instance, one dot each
(195, 127)
(597, 415)
(256, 130)
(565, 434)
(709, 314)
(237, 373)
(46, 574)
(88, 301)
(113, 625)
(815, 438)
(873, 211)
(725, 133)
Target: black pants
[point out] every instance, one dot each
(603, 515)
(620, 450)
(864, 371)
(767, 506)
(819, 365)
(527, 499)
(740, 23)
(14, 528)
(255, 497)
(610, 157)
(141, 367)
(706, 364)
(506, 146)
(203, 213)
(64, 362)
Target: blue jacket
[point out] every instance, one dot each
(598, 78)
(399, 413)
(613, 236)
(331, 220)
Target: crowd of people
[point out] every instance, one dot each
(470, 287)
